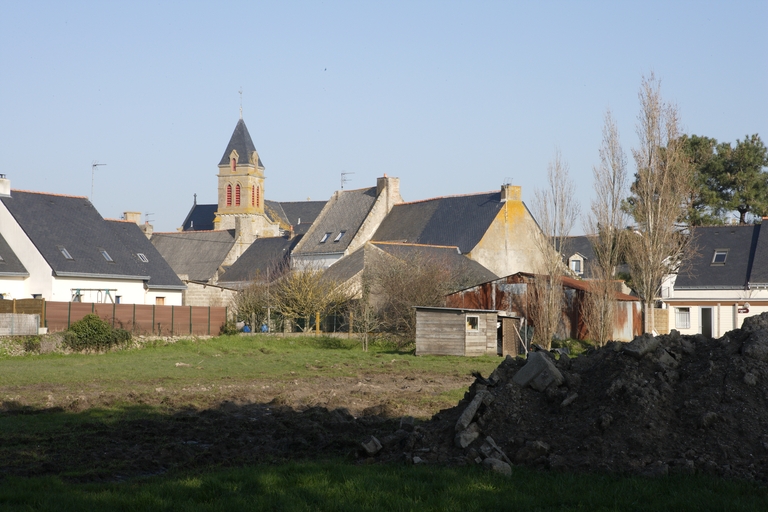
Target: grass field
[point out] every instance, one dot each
(82, 401)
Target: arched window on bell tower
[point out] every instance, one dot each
(233, 164)
(253, 196)
(237, 195)
(229, 195)
(258, 196)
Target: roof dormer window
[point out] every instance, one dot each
(64, 252)
(338, 237)
(106, 255)
(719, 257)
(325, 237)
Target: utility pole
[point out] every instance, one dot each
(94, 165)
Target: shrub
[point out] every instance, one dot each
(32, 344)
(229, 328)
(93, 333)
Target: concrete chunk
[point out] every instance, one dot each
(537, 364)
(467, 436)
(497, 466)
(641, 345)
(371, 445)
(469, 413)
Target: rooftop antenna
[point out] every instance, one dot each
(344, 178)
(146, 217)
(508, 180)
(241, 102)
(94, 165)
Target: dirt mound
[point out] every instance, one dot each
(655, 405)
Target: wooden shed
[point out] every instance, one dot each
(465, 332)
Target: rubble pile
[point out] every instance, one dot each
(656, 405)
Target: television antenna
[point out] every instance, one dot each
(94, 165)
(508, 180)
(146, 217)
(344, 178)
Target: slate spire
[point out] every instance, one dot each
(242, 143)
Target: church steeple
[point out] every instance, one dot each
(241, 180)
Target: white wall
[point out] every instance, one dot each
(40, 280)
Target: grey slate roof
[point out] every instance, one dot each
(460, 221)
(299, 214)
(161, 274)
(262, 256)
(698, 271)
(55, 221)
(198, 254)
(200, 217)
(10, 265)
(242, 143)
(346, 213)
(471, 272)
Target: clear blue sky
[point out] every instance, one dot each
(451, 97)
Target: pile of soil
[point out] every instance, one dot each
(666, 404)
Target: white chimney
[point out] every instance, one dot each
(5, 186)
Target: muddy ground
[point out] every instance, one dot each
(660, 405)
(211, 425)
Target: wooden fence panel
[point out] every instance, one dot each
(124, 317)
(200, 321)
(218, 319)
(144, 319)
(57, 316)
(163, 320)
(182, 318)
(104, 311)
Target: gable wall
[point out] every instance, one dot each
(40, 279)
(508, 246)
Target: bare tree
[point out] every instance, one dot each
(606, 223)
(303, 293)
(397, 285)
(663, 182)
(556, 211)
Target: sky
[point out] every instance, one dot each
(450, 97)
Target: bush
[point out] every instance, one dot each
(93, 333)
(229, 328)
(32, 344)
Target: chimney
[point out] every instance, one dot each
(147, 229)
(511, 192)
(390, 187)
(133, 217)
(5, 186)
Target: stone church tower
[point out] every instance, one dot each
(241, 190)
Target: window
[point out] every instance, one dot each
(237, 195)
(37, 295)
(142, 257)
(719, 257)
(160, 301)
(576, 266)
(473, 323)
(338, 237)
(253, 196)
(325, 237)
(118, 299)
(683, 318)
(258, 196)
(106, 255)
(65, 253)
(2, 260)
(233, 164)
(229, 195)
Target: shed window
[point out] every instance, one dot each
(65, 253)
(719, 257)
(683, 318)
(473, 323)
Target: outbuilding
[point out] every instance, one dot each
(466, 332)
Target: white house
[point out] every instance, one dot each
(59, 248)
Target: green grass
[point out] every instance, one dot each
(226, 358)
(343, 487)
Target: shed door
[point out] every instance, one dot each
(510, 340)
